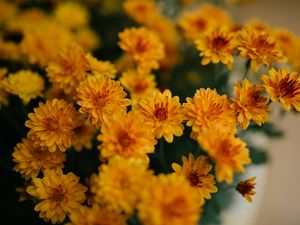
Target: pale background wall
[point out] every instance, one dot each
(281, 198)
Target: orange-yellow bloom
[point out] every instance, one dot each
(284, 86)
(197, 173)
(68, 68)
(246, 188)
(59, 194)
(163, 113)
(30, 160)
(143, 45)
(217, 45)
(260, 48)
(207, 108)
(250, 104)
(84, 134)
(126, 135)
(169, 200)
(100, 97)
(121, 183)
(24, 83)
(52, 125)
(229, 153)
(139, 84)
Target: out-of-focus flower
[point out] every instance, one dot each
(143, 45)
(163, 113)
(229, 153)
(56, 92)
(217, 45)
(102, 67)
(126, 135)
(283, 86)
(260, 48)
(100, 97)
(70, 9)
(84, 134)
(197, 173)
(139, 84)
(24, 83)
(3, 93)
(87, 38)
(52, 125)
(95, 215)
(250, 104)
(207, 108)
(30, 160)
(68, 68)
(246, 188)
(169, 200)
(121, 183)
(59, 194)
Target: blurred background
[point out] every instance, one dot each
(280, 197)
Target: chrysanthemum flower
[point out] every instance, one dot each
(126, 135)
(66, 10)
(229, 153)
(30, 160)
(163, 113)
(100, 97)
(250, 104)
(121, 182)
(59, 194)
(84, 134)
(68, 68)
(3, 93)
(52, 125)
(260, 48)
(283, 86)
(139, 84)
(197, 173)
(207, 108)
(169, 200)
(142, 11)
(246, 188)
(56, 92)
(217, 45)
(95, 216)
(102, 67)
(87, 38)
(143, 45)
(24, 83)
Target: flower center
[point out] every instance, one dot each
(161, 112)
(140, 87)
(219, 42)
(141, 45)
(200, 24)
(58, 194)
(125, 140)
(289, 87)
(244, 188)
(195, 179)
(52, 124)
(100, 99)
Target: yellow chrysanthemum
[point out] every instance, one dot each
(143, 45)
(56, 92)
(59, 194)
(217, 45)
(121, 182)
(52, 125)
(197, 173)
(283, 86)
(260, 48)
(24, 83)
(229, 153)
(126, 135)
(169, 200)
(42, 45)
(7, 11)
(207, 108)
(142, 11)
(246, 188)
(250, 104)
(68, 68)
(102, 67)
(70, 9)
(163, 113)
(139, 84)
(30, 160)
(100, 97)
(95, 216)
(87, 38)
(3, 93)
(84, 134)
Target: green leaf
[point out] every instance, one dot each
(258, 156)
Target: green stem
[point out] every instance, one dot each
(247, 67)
(162, 155)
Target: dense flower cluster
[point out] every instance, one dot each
(124, 111)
